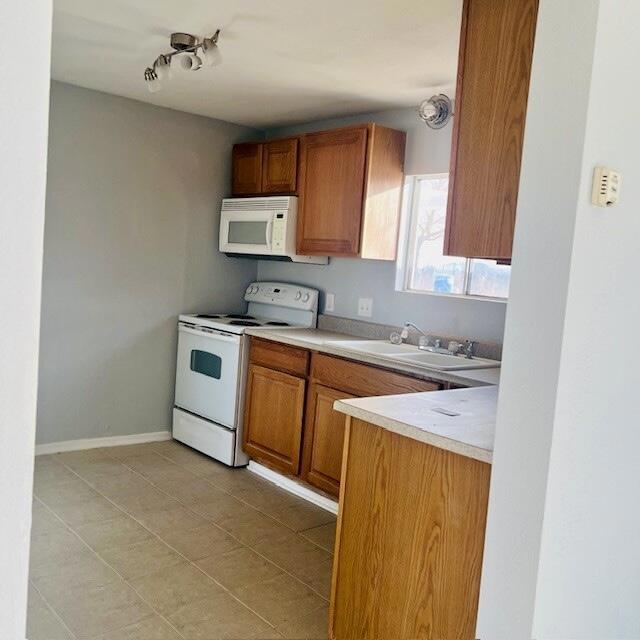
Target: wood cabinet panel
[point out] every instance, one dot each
(383, 193)
(496, 49)
(273, 417)
(410, 515)
(247, 169)
(323, 438)
(280, 166)
(331, 191)
(279, 356)
(364, 380)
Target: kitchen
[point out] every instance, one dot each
(273, 413)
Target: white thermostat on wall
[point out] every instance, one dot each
(606, 187)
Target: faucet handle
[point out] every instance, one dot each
(469, 349)
(395, 338)
(455, 347)
(424, 342)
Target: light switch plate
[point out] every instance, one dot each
(330, 302)
(365, 307)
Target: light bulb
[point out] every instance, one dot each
(191, 62)
(154, 85)
(152, 80)
(211, 53)
(162, 67)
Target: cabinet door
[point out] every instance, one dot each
(280, 166)
(247, 169)
(496, 49)
(323, 439)
(331, 191)
(273, 418)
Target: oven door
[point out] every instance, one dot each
(208, 374)
(246, 232)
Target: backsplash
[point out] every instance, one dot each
(374, 331)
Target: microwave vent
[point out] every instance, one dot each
(256, 204)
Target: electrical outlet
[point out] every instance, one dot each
(365, 307)
(330, 302)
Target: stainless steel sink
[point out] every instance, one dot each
(410, 354)
(447, 362)
(375, 347)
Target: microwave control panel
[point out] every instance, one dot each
(278, 229)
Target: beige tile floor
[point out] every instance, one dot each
(157, 542)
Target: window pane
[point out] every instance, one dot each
(486, 278)
(430, 269)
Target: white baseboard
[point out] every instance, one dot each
(95, 443)
(294, 487)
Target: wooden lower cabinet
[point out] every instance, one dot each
(289, 421)
(273, 417)
(323, 438)
(410, 539)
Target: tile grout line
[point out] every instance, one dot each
(248, 504)
(215, 524)
(122, 462)
(187, 506)
(50, 607)
(155, 535)
(95, 553)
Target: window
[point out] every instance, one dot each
(423, 267)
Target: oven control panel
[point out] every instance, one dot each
(283, 295)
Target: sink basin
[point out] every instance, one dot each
(446, 362)
(410, 354)
(376, 347)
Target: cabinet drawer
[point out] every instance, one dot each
(279, 356)
(364, 380)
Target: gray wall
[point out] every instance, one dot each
(427, 152)
(132, 209)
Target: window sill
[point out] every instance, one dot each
(455, 296)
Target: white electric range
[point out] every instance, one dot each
(212, 361)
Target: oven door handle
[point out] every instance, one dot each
(212, 333)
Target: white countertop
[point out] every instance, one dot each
(329, 342)
(469, 433)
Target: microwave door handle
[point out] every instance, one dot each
(268, 233)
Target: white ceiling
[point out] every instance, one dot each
(285, 61)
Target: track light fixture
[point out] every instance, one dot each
(197, 53)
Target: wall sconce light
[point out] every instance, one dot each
(436, 111)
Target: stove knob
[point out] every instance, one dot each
(298, 295)
(305, 297)
(255, 289)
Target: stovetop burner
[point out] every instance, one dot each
(244, 323)
(210, 316)
(274, 323)
(239, 316)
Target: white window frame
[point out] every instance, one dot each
(407, 240)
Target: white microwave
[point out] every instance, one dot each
(262, 228)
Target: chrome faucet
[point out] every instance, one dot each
(434, 345)
(399, 338)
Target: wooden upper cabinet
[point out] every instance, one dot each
(350, 183)
(265, 168)
(332, 170)
(273, 417)
(280, 166)
(247, 169)
(496, 48)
